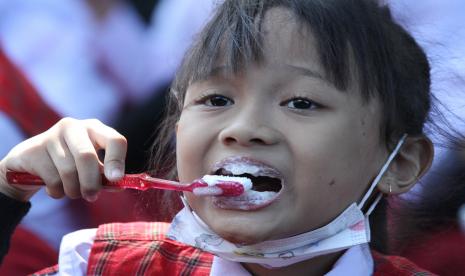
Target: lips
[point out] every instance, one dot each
(267, 183)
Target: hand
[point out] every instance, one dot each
(65, 157)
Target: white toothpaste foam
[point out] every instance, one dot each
(207, 191)
(212, 180)
(246, 201)
(240, 168)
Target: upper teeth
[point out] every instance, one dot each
(241, 168)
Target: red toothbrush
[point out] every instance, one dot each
(209, 185)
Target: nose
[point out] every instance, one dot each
(249, 128)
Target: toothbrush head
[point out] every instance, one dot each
(220, 185)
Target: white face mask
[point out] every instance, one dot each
(350, 228)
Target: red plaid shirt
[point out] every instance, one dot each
(142, 249)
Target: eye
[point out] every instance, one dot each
(300, 103)
(218, 100)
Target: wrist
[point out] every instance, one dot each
(15, 193)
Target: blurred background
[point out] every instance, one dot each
(425, 224)
(114, 60)
(107, 59)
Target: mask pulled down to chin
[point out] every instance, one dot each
(348, 229)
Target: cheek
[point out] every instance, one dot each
(196, 140)
(188, 150)
(338, 163)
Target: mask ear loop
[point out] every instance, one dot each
(379, 176)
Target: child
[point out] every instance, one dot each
(320, 103)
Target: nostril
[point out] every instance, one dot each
(229, 140)
(257, 141)
(254, 141)
(248, 135)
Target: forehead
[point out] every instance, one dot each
(276, 39)
(286, 40)
(288, 46)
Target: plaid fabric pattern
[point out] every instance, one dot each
(396, 266)
(21, 102)
(142, 249)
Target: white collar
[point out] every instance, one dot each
(357, 260)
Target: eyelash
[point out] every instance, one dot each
(312, 104)
(202, 99)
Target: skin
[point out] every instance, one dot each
(326, 143)
(65, 157)
(328, 153)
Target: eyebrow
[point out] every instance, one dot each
(219, 70)
(304, 71)
(310, 73)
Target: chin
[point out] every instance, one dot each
(241, 227)
(236, 226)
(240, 233)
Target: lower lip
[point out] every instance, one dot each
(250, 201)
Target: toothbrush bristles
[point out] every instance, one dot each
(221, 188)
(231, 188)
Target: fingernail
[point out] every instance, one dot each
(113, 173)
(91, 198)
(116, 174)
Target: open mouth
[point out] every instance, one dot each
(267, 183)
(260, 183)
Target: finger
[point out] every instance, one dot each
(36, 161)
(115, 146)
(85, 157)
(66, 167)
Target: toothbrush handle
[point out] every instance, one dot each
(129, 181)
(23, 178)
(140, 182)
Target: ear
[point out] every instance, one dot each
(411, 163)
(176, 127)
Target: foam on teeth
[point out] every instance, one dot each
(212, 180)
(240, 168)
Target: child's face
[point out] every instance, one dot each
(283, 116)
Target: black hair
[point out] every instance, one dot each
(351, 35)
(389, 63)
